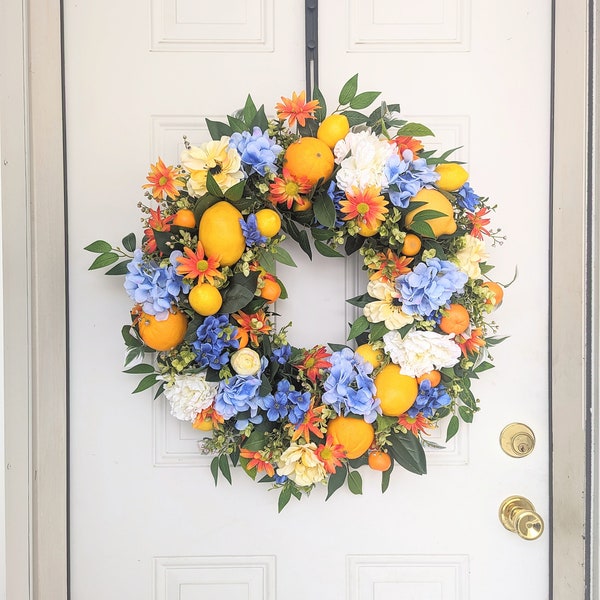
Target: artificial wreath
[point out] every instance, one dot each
(204, 281)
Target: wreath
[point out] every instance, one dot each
(204, 281)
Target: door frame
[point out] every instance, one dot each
(34, 395)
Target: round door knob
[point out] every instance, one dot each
(517, 440)
(518, 515)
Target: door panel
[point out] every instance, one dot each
(146, 519)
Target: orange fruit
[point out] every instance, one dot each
(309, 157)
(370, 354)
(306, 205)
(184, 218)
(433, 376)
(412, 245)
(221, 234)
(242, 335)
(455, 320)
(452, 177)
(163, 335)
(270, 291)
(268, 222)
(333, 129)
(497, 291)
(380, 461)
(434, 200)
(205, 299)
(396, 392)
(355, 435)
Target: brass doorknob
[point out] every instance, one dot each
(518, 515)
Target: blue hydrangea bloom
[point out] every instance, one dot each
(406, 177)
(467, 198)
(251, 232)
(237, 395)
(430, 286)
(257, 150)
(154, 287)
(348, 387)
(214, 340)
(286, 402)
(282, 354)
(429, 399)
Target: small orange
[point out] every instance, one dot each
(455, 320)
(412, 245)
(309, 157)
(355, 435)
(433, 376)
(270, 291)
(380, 461)
(184, 218)
(497, 291)
(163, 335)
(242, 336)
(306, 205)
(396, 392)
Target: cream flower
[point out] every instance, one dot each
(301, 464)
(190, 394)
(245, 361)
(473, 252)
(362, 157)
(421, 351)
(215, 156)
(384, 309)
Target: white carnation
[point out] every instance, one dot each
(190, 394)
(421, 351)
(470, 255)
(245, 361)
(384, 309)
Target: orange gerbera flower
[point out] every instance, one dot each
(391, 266)
(365, 205)
(208, 413)
(258, 460)
(406, 142)
(289, 189)
(471, 344)
(414, 424)
(330, 453)
(156, 222)
(296, 109)
(164, 180)
(479, 223)
(313, 420)
(254, 324)
(197, 266)
(313, 361)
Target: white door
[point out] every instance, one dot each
(146, 518)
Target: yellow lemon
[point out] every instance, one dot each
(370, 355)
(268, 222)
(221, 234)
(356, 435)
(452, 177)
(310, 158)
(333, 129)
(397, 392)
(205, 299)
(367, 231)
(434, 200)
(163, 335)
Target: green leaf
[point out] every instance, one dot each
(322, 234)
(354, 117)
(260, 120)
(359, 326)
(425, 215)
(321, 112)
(128, 338)
(129, 242)
(324, 210)
(414, 129)
(217, 129)
(407, 451)
(363, 100)
(203, 203)
(495, 340)
(385, 478)
(140, 369)
(378, 330)
(326, 250)
(336, 347)
(466, 414)
(159, 390)
(133, 354)
(360, 301)
(353, 244)
(267, 262)
(484, 366)
(212, 187)
(355, 482)
(214, 468)
(348, 90)
(336, 481)
(237, 125)
(422, 228)
(99, 247)
(145, 383)
(304, 243)
(108, 258)
(119, 268)
(256, 441)
(239, 292)
(283, 256)
(249, 109)
(284, 498)
(467, 397)
(453, 426)
(235, 192)
(224, 467)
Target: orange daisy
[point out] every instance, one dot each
(156, 222)
(406, 142)
(471, 344)
(258, 460)
(197, 266)
(289, 189)
(330, 453)
(296, 109)
(479, 223)
(313, 361)
(414, 424)
(365, 205)
(164, 180)
(391, 266)
(313, 420)
(208, 413)
(254, 324)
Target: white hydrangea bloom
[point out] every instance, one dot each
(362, 157)
(301, 464)
(190, 394)
(470, 255)
(383, 309)
(421, 351)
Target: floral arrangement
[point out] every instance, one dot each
(204, 281)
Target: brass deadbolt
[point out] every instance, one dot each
(517, 440)
(518, 515)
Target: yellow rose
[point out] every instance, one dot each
(245, 362)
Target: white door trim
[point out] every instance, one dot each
(35, 328)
